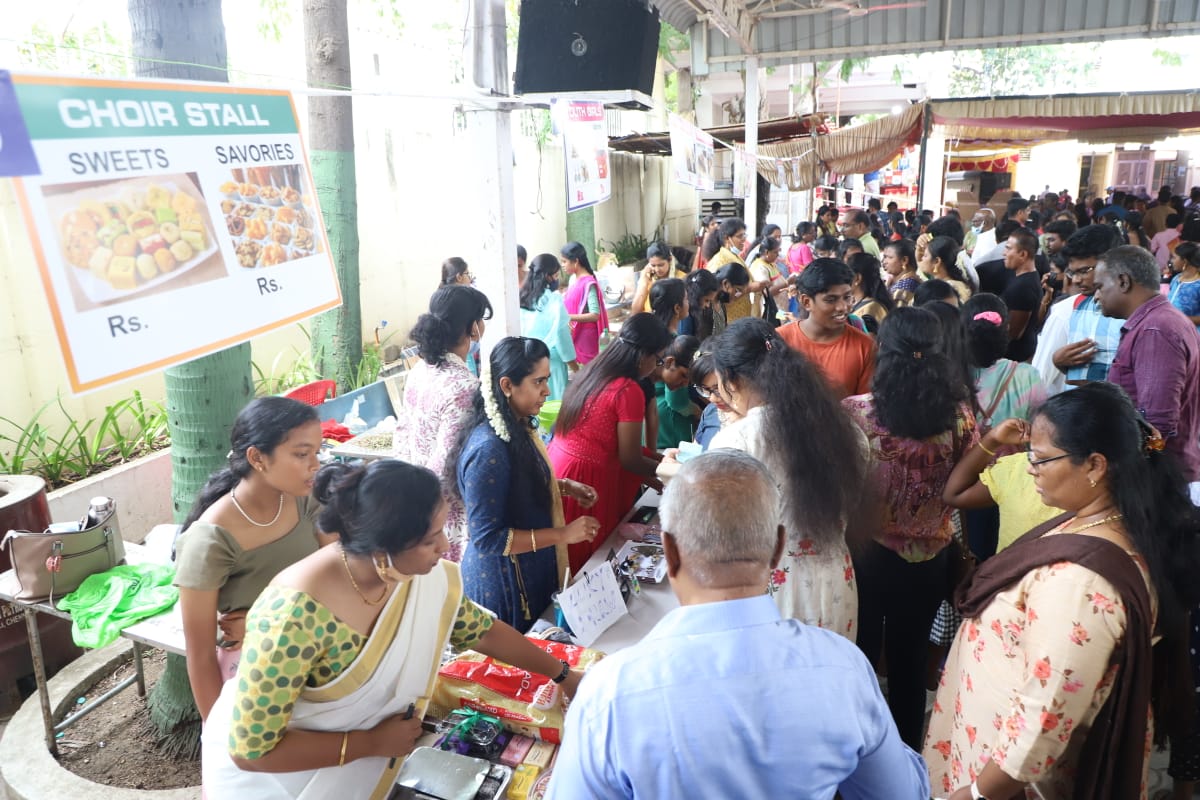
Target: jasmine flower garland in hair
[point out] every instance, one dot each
(490, 408)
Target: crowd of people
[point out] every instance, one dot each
(939, 457)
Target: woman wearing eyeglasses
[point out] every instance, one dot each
(919, 424)
(1048, 688)
(456, 271)
(598, 434)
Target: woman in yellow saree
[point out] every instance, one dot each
(342, 649)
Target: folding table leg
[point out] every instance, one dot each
(139, 669)
(39, 675)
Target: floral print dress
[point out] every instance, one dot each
(1024, 681)
(437, 406)
(814, 582)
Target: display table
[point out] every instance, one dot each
(163, 631)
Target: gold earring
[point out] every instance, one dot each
(1092, 481)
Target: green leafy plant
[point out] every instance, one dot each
(629, 248)
(67, 449)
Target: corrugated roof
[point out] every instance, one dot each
(770, 130)
(787, 31)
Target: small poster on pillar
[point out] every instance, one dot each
(585, 146)
(170, 220)
(692, 154)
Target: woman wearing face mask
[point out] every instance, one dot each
(658, 268)
(343, 646)
(544, 316)
(733, 299)
(584, 302)
(438, 393)
(598, 434)
(517, 554)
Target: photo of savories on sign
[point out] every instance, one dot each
(133, 236)
(270, 215)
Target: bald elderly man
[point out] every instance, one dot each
(724, 698)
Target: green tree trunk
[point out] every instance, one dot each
(336, 334)
(581, 227)
(185, 39)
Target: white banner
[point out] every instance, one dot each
(585, 145)
(692, 154)
(170, 220)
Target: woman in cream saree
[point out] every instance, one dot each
(342, 650)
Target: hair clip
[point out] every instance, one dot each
(229, 455)
(768, 344)
(990, 316)
(917, 354)
(1155, 443)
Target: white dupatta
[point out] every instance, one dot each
(397, 666)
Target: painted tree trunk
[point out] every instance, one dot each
(185, 39)
(336, 334)
(581, 227)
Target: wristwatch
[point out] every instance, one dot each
(562, 676)
(975, 793)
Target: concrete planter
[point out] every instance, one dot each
(27, 766)
(142, 489)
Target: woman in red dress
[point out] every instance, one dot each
(598, 435)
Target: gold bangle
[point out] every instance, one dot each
(342, 756)
(533, 539)
(984, 449)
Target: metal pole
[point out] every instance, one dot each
(39, 675)
(751, 213)
(928, 115)
(492, 155)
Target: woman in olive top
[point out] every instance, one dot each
(252, 519)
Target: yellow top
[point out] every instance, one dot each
(1013, 489)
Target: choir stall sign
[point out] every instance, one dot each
(170, 220)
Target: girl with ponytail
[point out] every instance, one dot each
(254, 517)
(584, 301)
(438, 392)
(516, 556)
(792, 423)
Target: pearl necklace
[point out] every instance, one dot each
(238, 506)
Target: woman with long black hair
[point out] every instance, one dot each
(1050, 682)
(792, 423)
(872, 301)
(919, 423)
(669, 302)
(584, 301)
(516, 554)
(598, 434)
(544, 316)
(702, 289)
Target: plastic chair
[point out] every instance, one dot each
(314, 394)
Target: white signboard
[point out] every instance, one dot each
(585, 144)
(170, 220)
(592, 604)
(692, 154)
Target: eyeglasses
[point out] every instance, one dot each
(1037, 463)
(1073, 273)
(707, 392)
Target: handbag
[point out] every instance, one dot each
(961, 565)
(50, 563)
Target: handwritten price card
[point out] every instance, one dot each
(592, 604)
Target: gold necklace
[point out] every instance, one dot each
(354, 583)
(1109, 518)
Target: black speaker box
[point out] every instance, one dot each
(586, 45)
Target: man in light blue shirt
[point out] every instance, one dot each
(724, 698)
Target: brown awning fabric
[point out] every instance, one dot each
(847, 151)
(771, 130)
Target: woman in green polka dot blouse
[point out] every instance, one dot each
(344, 643)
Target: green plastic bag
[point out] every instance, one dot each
(108, 602)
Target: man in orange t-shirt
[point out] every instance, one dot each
(844, 354)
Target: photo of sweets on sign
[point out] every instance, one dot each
(170, 220)
(585, 142)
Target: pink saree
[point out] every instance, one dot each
(586, 335)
